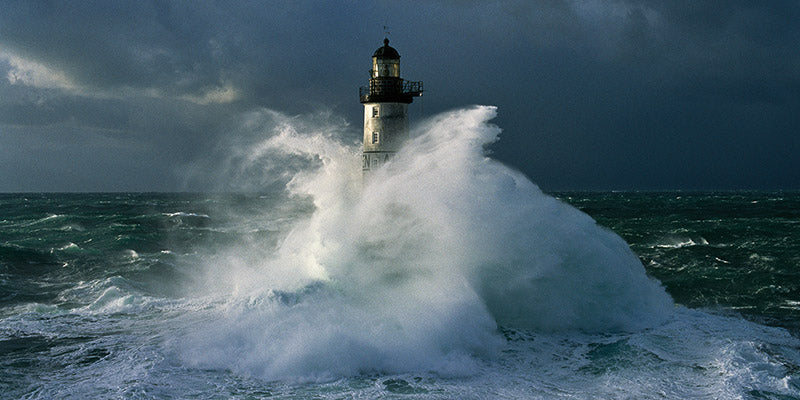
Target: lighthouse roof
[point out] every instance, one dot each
(386, 52)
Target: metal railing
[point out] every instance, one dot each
(412, 87)
(390, 87)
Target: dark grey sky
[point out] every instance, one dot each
(110, 96)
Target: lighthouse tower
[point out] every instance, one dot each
(386, 101)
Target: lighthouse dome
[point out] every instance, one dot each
(386, 52)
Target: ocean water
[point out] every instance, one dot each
(444, 275)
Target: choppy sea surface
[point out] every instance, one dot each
(403, 285)
(96, 289)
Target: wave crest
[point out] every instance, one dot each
(421, 262)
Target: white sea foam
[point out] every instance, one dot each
(67, 247)
(113, 294)
(676, 243)
(184, 214)
(413, 269)
(72, 227)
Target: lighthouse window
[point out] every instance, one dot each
(375, 112)
(374, 137)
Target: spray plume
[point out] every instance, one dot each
(414, 267)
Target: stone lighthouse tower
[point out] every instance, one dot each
(386, 101)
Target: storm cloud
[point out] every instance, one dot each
(108, 96)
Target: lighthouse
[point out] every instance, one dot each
(385, 101)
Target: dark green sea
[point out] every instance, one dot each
(735, 252)
(114, 296)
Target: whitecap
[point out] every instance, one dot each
(67, 247)
(676, 243)
(185, 214)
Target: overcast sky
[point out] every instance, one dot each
(122, 96)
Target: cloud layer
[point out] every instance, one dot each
(591, 94)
